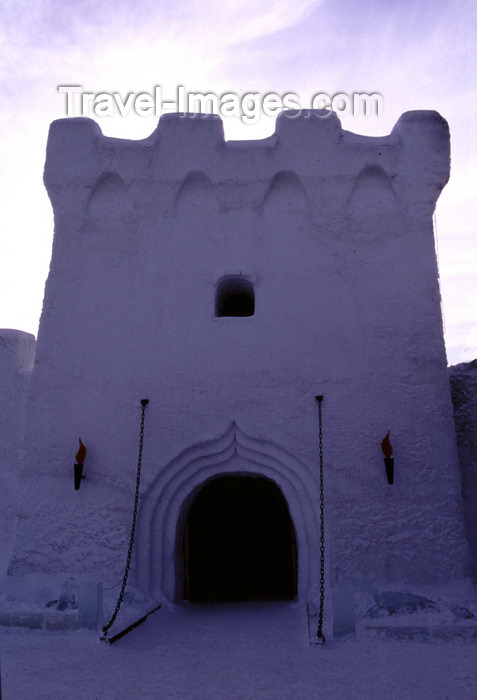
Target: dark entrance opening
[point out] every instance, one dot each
(239, 543)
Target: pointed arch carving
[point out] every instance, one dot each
(196, 192)
(372, 188)
(169, 496)
(110, 200)
(285, 193)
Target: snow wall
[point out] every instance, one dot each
(463, 379)
(17, 350)
(331, 234)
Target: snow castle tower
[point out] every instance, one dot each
(230, 283)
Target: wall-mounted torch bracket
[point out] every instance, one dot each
(388, 460)
(78, 475)
(389, 464)
(80, 457)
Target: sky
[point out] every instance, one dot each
(417, 54)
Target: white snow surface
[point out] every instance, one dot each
(234, 652)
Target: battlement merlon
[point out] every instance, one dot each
(17, 350)
(312, 143)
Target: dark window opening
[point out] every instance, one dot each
(239, 543)
(235, 297)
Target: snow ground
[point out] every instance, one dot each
(232, 652)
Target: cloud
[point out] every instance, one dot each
(67, 23)
(418, 54)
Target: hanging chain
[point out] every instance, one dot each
(320, 634)
(144, 403)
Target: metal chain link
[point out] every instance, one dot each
(144, 403)
(320, 634)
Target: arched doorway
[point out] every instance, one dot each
(239, 542)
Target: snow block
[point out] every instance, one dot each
(17, 351)
(463, 379)
(343, 610)
(90, 605)
(27, 619)
(314, 127)
(72, 150)
(399, 603)
(190, 131)
(425, 140)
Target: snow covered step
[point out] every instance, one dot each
(425, 631)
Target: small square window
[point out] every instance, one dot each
(235, 297)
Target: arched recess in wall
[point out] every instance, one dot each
(285, 194)
(372, 210)
(112, 225)
(110, 204)
(196, 194)
(372, 192)
(166, 503)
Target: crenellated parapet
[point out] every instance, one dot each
(412, 162)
